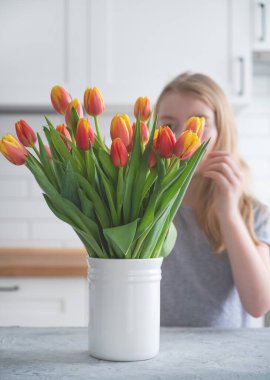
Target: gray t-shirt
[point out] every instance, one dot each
(197, 287)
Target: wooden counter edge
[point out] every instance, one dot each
(43, 261)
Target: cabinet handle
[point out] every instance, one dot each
(263, 23)
(9, 288)
(241, 75)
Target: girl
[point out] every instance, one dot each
(218, 273)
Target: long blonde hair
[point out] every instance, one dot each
(205, 89)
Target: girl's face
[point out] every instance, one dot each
(175, 109)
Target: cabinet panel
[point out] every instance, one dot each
(141, 47)
(40, 44)
(41, 301)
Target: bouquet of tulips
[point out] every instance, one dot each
(120, 200)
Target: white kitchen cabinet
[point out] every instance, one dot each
(261, 25)
(42, 44)
(43, 301)
(137, 46)
(127, 48)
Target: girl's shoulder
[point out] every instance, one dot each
(261, 220)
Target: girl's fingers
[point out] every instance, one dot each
(225, 160)
(225, 170)
(218, 178)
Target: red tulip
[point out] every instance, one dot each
(78, 107)
(84, 134)
(93, 101)
(143, 106)
(13, 150)
(60, 99)
(119, 153)
(165, 142)
(25, 133)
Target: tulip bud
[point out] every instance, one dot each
(186, 145)
(119, 153)
(60, 99)
(165, 142)
(142, 106)
(152, 158)
(48, 151)
(63, 129)
(25, 133)
(13, 150)
(144, 132)
(121, 127)
(93, 101)
(196, 125)
(78, 107)
(84, 134)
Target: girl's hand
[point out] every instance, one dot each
(228, 177)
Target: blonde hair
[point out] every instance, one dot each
(208, 91)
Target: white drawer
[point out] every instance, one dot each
(43, 301)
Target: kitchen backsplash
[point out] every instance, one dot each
(26, 220)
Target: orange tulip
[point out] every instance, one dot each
(196, 125)
(143, 106)
(60, 99)
(121, 127)
(25, 133)
(63, 129)
(84, 134)
(119, 153)
(165, 142)
(93, 101)
(13, 150)
(152, 158)
(186, 145)
(144, 132)
(78, 107)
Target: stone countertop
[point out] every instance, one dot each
(185, 353)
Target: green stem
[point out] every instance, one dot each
(98, 133)
(36, 150)
(174, 162)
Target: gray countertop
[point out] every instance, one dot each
(185, 353)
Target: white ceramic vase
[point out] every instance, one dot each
(124, 308)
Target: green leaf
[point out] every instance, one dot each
(134, 163)
(58, 165)
(101, 210)
(87, 238)
(170, 239)
(74, 117)
(107, 165)
(121, 237)
(69, 186)
(137, 193)
(86, 205)
(47, 164)
(150, 241)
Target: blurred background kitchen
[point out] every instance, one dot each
(127, 48)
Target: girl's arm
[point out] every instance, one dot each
(250, 264)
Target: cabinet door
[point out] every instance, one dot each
(261, 25)
(43, 301)
(136, 47)
(42, 44)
